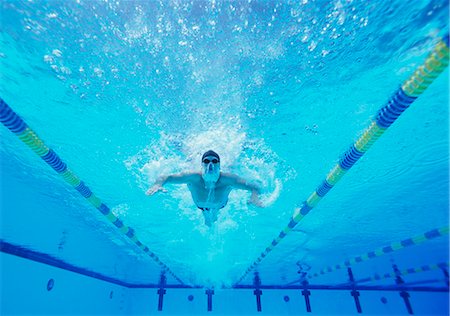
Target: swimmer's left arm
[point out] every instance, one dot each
(240, 183)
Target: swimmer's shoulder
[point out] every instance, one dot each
(193, 177)
(228, 178)
(186, 177)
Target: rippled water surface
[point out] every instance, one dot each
(125, 91)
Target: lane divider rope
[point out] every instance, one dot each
(424, 268)
(395, 246)
(16, 124)
(423, 76)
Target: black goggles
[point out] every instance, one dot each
(214, 161)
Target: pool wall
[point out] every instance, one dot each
(24, 290)
(27, 289)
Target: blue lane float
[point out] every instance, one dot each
(9, 118)
(53, 160)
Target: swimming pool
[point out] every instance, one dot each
(113, 94)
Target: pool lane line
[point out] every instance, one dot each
(29, 254)
(395, 246)
(44, 258)
(424, 268)
(395, 287)
(17, 125)
(378, 277)
(414, 86)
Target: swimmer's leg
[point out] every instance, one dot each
(207, 215)
(214, 214)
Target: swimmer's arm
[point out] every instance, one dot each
(240, 183)
(179, 178)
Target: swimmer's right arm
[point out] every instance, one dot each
(175, 179)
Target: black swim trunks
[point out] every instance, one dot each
(208, 208)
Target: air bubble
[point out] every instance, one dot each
(57, 52)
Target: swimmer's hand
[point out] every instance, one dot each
(155, 188)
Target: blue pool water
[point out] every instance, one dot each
(125, 91)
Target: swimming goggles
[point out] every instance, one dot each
(207, 161)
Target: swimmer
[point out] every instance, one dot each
(210, 188)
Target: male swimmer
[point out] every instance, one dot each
(210, 188)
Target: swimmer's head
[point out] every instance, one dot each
(210, 167)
